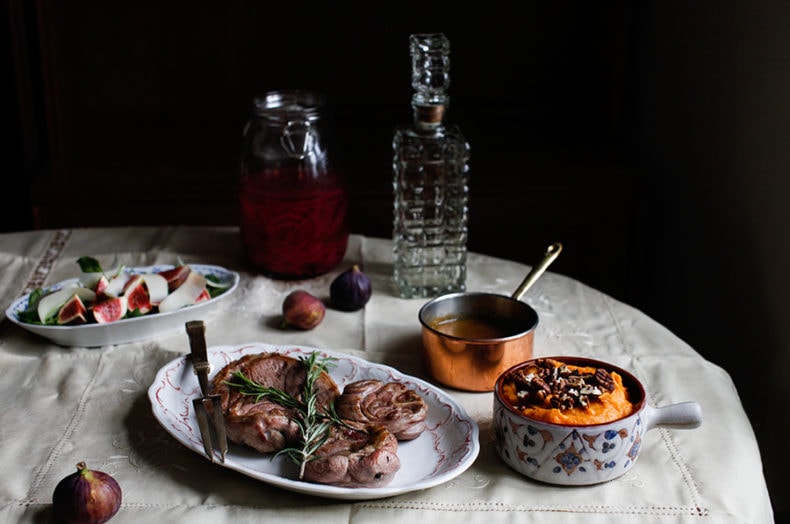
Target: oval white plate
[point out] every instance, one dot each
(128, 329)
(446, 449)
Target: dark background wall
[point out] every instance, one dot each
(649, 137)
(711, 131)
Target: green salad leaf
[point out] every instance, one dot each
(89, 265)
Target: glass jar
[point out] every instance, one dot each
(293, 202)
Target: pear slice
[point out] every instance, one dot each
(117, 284)
(157, 287)
(50, 304)
(186, 294)
(89, 279)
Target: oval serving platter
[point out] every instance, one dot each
(447, 448)
(128, 329)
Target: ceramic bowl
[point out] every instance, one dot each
(582, 454)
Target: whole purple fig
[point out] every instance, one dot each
(350, 290)
(302, 310)
(86, 497)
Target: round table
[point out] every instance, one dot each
(64, 405)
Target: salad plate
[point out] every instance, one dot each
(128, 329)
(447, 448)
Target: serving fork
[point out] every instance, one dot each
(207, 404)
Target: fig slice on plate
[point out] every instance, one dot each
(50, 304)
(176, 276)
(109, 309)
(101, 285)
(136, 294)
(72, 312)
(203, 296)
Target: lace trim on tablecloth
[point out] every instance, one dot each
(467, 507)
(45, 263)
(40, 273)
(66, 440)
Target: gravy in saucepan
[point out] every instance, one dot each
(476, 328)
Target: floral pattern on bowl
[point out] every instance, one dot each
(582, 454)
(574, 456)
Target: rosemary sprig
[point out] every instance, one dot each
(250, 388)
(313, 421)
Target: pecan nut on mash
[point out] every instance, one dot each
(552, 391)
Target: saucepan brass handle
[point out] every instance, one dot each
(552, 252)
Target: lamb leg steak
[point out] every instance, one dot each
(265, 425)
(365, 457)
(391, 404)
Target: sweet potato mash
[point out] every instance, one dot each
(559, 393)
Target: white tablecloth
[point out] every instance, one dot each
(64, 405)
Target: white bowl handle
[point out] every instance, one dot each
(685, 415)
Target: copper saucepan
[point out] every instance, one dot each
(470, 338)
